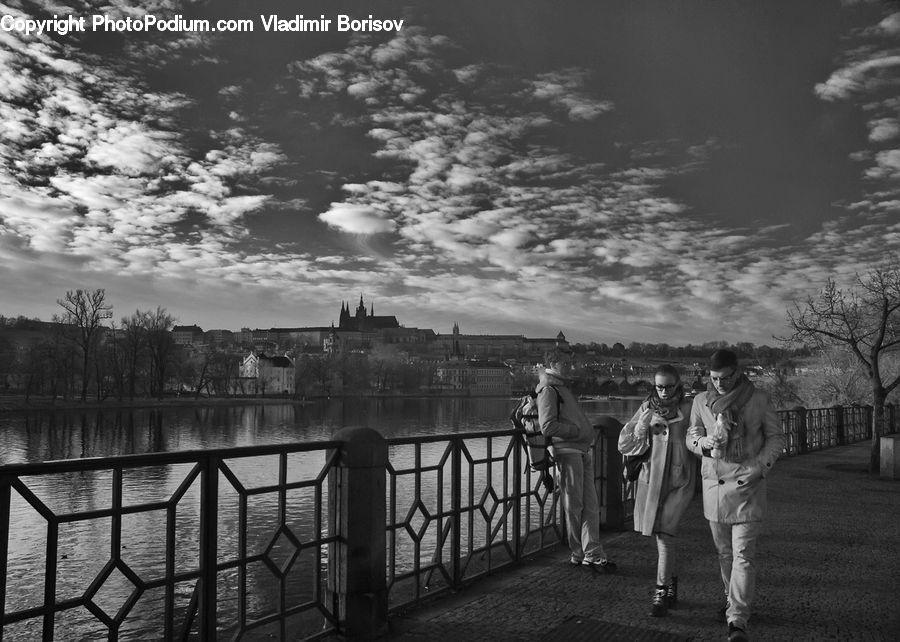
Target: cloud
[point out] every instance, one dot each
(890, 26)
(884, 129)
(565, 89)
(356, 219)
(864, 76)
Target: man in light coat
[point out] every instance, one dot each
(736, 431)
(572, 435)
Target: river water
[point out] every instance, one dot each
(84, 546)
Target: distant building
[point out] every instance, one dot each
(363, 321)
(496, 346)
(219, 337)
(362, 330)
(262, 374)
(474, 377)
(185, 335)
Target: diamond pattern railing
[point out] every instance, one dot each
(460, 507)
(206, 577)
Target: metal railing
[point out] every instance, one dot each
(266, 539)
(457, 507)
(472, 506)
(809, 429)
(201, 567)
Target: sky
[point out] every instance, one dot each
(674, 171)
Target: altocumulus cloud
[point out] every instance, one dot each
(357, 219)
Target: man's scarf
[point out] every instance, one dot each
(729, 405)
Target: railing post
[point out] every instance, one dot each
(5, 501)
(456, 510)
(356, 562)
(614, 519)
(802, 445)
(517, 496)
(839, 430)
(209, 523)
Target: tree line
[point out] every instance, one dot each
(79, 354)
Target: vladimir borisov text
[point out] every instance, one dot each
(62, 25)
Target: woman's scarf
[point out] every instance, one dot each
(729, 406)
(666, 408)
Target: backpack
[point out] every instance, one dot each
(525, 417)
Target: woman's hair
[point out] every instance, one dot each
(654, 399)
(666, 369)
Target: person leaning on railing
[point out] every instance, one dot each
(654, 440)
(572, 435)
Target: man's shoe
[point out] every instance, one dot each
(736, 633)
(658, 604)
(603, 566)
(574, 561)
(672, 593)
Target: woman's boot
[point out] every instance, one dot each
(672, 593)
(658, 606)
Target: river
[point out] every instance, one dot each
(53, 435)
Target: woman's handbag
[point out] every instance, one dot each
(633, 463)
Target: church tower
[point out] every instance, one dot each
(361, 309)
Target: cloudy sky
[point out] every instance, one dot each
(651, 170)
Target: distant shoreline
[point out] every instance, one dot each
(12, 403)
(17, 403)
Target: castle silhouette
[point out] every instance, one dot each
(364, 321)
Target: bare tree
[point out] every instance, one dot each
(841, 378)
(158, 328)
(866, 319)
(85, 310)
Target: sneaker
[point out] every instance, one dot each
(672, 593)
(736, 633)
(658, 604)
(603, 566)
(575, 561)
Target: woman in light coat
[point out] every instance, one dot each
(666, 482)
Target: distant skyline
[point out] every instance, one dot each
(652, 170)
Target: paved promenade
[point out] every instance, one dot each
(828, 560)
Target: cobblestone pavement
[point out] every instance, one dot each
(828, 569)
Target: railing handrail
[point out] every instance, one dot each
(424, 439)
(161, 458)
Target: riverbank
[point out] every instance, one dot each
(10, 403)
(13, 403)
